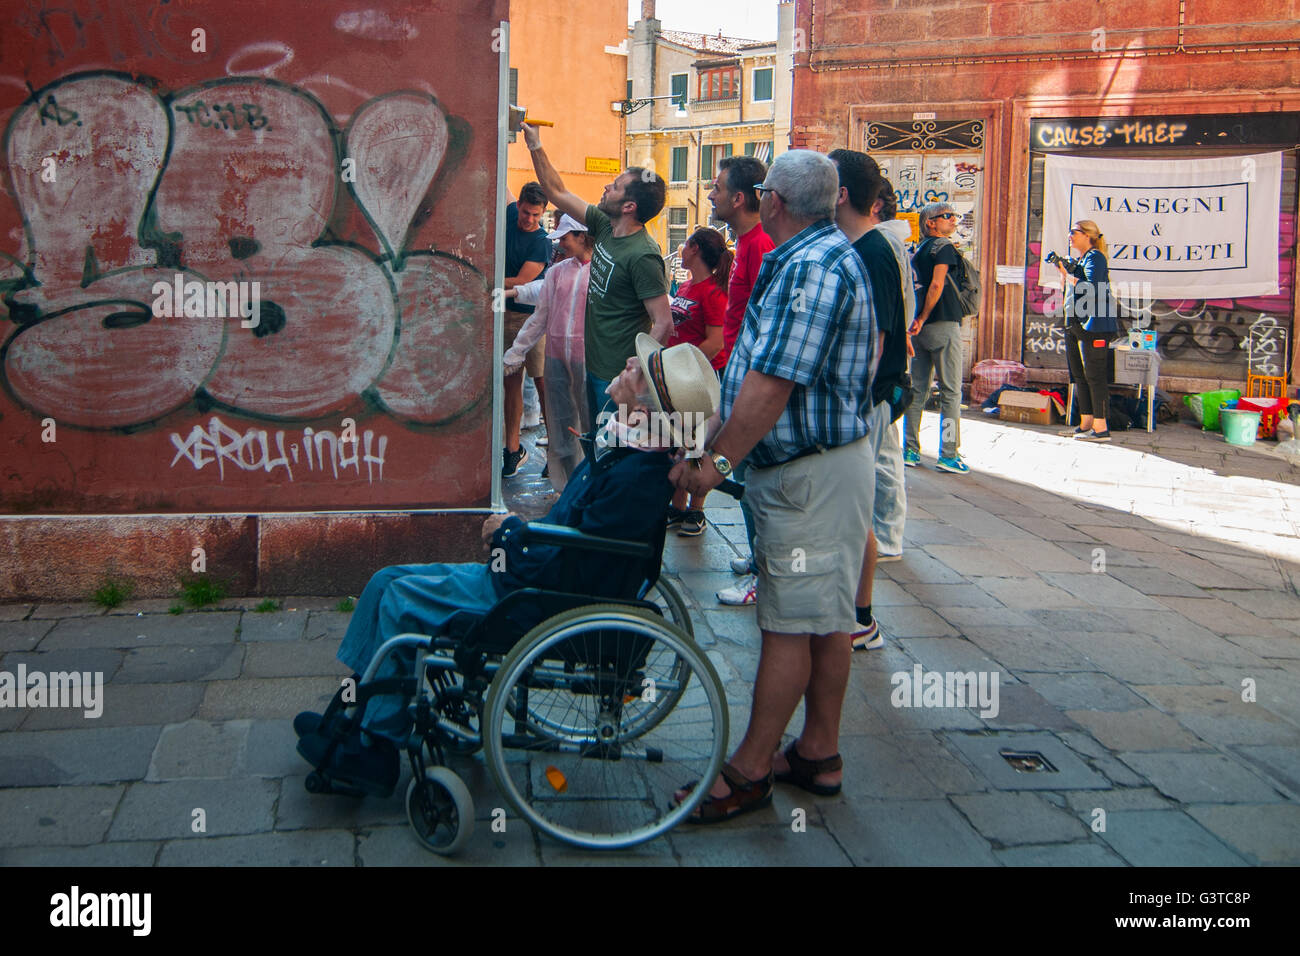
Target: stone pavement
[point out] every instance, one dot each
(1136, 602)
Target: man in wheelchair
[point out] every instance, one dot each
(620, 491)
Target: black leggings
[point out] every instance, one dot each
(1089, 368)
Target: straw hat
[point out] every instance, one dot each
(682, 383)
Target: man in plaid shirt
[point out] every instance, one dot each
(796, 399)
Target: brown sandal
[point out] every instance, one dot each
(746, 795)
(802, 771)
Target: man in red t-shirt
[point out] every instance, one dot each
(735, 202)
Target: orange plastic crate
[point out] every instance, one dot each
(1265, 386)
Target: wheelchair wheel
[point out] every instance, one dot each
(671, 604)
(440, 810)
(600, 773)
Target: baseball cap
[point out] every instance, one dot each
(567, 225)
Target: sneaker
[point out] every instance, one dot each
(953, 464)
(542, 441)
(546, 470)
(1091, 435)
(886, 558)
(675, 516)
(692, 525)
(745, 591)
(869, 638)
(511, 460)
(742, 565)
(911, 457)
(1071, 432)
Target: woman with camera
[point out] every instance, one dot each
(1090, 325)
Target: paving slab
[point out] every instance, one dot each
(908, 620)
(952, 654)
(1134, 798)
(758, 846)
(1265, 604)
(299, 810)
(56, 816)
(1221, 617)
(74, 609)
(19, 635)
(271, 749)
(1083, 691)
(1062, 854)
(925, 532)
(1202, 778)
(166, 811)
(1026, 649)
(876, 767)
(94, 755)
(1137, 730)
(1020, 707)
(257, 626)
(99, 661)
(199, 749)
(329, 626)
(1026, 593)
(1280, 763)
(306, 848)
(15, 612)
(96, 855)
(159, 664)
(297, 659)
(1263, 834)
(397, 846)
(1165, 838)
(186, 630)
(1012, 819)
(906, 833)
(265, 698)
(1133, 658)
(917, 567)
(955, 595)
(125, 705)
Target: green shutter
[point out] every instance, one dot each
(763, 84)
(679, 164)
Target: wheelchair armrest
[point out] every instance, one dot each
(537, 533)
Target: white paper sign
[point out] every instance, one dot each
(1193, 228)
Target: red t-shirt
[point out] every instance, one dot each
(750, 249)
(695, 306)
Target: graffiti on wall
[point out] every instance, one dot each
(123, 186)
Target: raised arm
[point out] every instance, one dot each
(550, 180)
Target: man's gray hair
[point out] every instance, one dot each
(931, 211)
(808, 183)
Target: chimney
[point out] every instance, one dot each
(647, 9)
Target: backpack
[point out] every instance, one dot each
(967, 282)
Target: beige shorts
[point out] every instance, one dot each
(811, 518)
(535, 360)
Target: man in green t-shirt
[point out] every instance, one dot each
(628, 292)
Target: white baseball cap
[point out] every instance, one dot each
(567, 225)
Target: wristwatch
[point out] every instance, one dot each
(721, 463)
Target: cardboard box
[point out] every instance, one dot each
(1027, 408)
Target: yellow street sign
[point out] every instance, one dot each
(598, 164)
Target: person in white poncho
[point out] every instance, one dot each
(561, 300)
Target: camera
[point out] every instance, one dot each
(1067, 264)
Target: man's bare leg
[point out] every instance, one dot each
(539, 383)
(823, 704)
(514, 408)
(868, 576)
(784, 671)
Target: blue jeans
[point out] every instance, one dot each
(417, 598)
(596, 397)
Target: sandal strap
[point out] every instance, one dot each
(810, 768)
(737, 782)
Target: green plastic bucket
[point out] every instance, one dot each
(1209, 403)
(1239, 426)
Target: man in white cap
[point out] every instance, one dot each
(622, 491)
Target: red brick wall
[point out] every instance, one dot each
(1010, 61)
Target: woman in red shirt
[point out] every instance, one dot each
(699, 310)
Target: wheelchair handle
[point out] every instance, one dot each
(538, 533)
(733, 488)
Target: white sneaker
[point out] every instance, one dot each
(886, 558)
(741, 565)
(745, 591)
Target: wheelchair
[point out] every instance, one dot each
(589, 712)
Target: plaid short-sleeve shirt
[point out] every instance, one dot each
(810, 320)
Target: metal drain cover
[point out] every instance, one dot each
(1035, 761)
(1023, 761)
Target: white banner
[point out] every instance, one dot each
(1192, 228)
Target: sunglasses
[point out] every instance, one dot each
(759, 188)
(946, 215)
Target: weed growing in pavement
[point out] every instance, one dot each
(268, 604)
(347, 605)
(176, 609)
(199, 590)
(113, 593)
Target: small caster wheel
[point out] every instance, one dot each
(316, 783)
(440, 810)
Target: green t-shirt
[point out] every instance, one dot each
(625, 271)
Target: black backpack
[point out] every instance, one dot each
(966, 284)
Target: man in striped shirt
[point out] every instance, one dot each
(796, 400)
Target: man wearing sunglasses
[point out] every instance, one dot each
(936, 337)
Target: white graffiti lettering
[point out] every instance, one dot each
(252, 450)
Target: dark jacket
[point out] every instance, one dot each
(1090, 301)
(623, 494)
